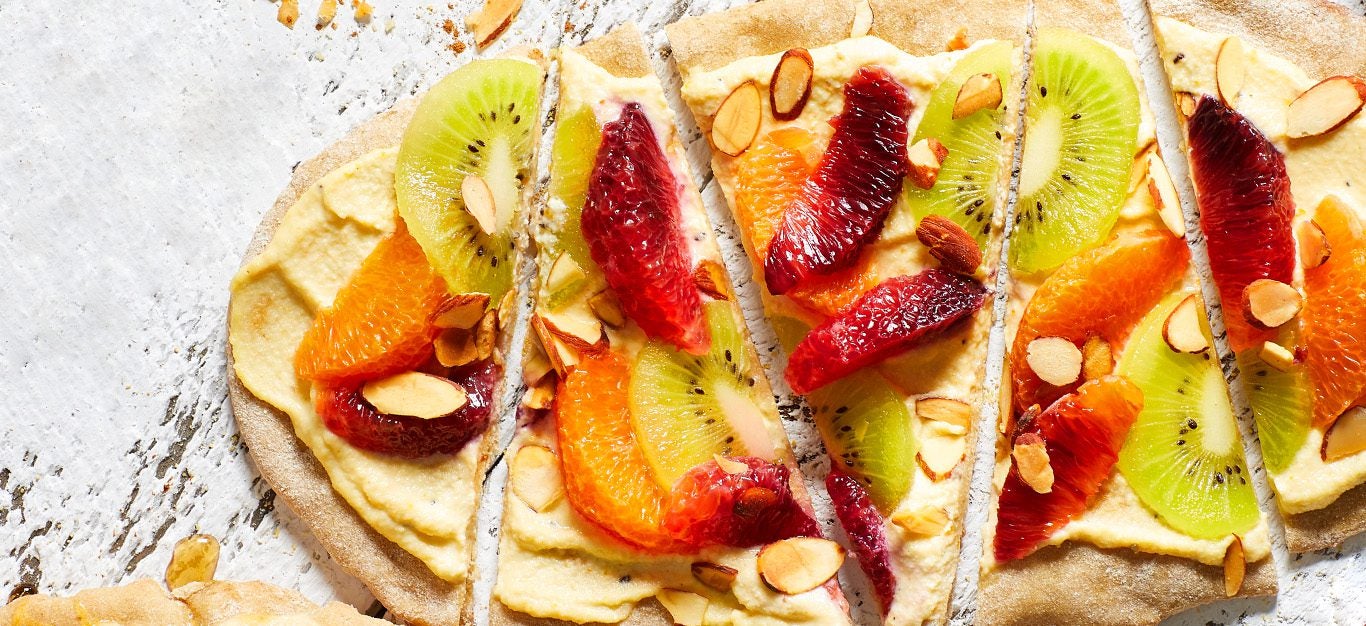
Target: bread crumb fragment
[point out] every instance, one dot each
(326, 11)
(363, 11)
(288, 13)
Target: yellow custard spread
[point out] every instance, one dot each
(425, 506)
(1321, 166)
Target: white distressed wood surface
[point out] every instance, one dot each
(140, 143)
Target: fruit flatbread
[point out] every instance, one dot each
(387, 520)
(1087, 304)
(1323, 502)
(898, 421)
(622, 497)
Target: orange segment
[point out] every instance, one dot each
(770, 175)
(1335, 327)
(606, 477)
(1105, 291)
(380, 322)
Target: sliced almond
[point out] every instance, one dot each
(492, 19)
(1138, 173)
(1325, 106)
(415, 394)
(535, 476)
(462, 311)
(507, 310)
(1031, 462)
(1097, 359)
(535, 363)
(562, 356)
(1276, 355)
(791, 84)
(926, 156)
(944, 410)
(940, 452)
(730, 466)
(1314, 249)
(1347, 435)
(981, 91)
(608, 309)
(1230, 70)
(1185, 103)
(1235, 567)
(959, 41)
(1270, 303)
(711, 280)
(686, 607)
(1163, 192)
(455, 347)
(863, 19)
(486, 334)
(718, 577)
(799, 564)
(1183, 330)
(926, 521)
(540, 395)
(564, 271)
(478, 198)
(737, 120)
(1055, 360)
(582, 331)
(948, 243)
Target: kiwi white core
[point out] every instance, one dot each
(747, 420)
(1042, 150)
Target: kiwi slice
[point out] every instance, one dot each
(966, 190)
(575, 150)
(1183, 456)
(686, 408)
(866, 427)
(1281, 405)
(480, 120)
(1081, 127)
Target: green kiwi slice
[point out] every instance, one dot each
(866, 427)
(1081, 127)
(1281, 406)
(686, 408)
(966, 189)
(480, 120)
(575, 149)
(1183, 456)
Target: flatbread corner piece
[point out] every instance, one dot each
(400, 581)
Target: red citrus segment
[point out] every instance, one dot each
(710, 506)
(1083, 432)
(606, 477)
(893, 317)
(350, 417)
(380, 321)
(769, 177)
(1105, 292)
(1245, 210)
(842, 205)
(632, 225)
(1335, 325)
(864, 525)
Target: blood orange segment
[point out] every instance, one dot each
(842, 205)
(710, 506)
(1245, 210)
(769, 177)
(1102, 292)
(1083, 433)
(864, 525)
(633, 228)
(380, 321)
(1335, 315)
(606, 477)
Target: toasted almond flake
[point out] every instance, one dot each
(863, 19)
(944, 410)
(959, 41)
(479, 202)
(1270, 303)
(1314, 249)
(1031, 462)
(1097, 359)
(564, 272)
(1235, 567)
(718, 577)
(730, 466)
(941, 451)
(978, 92)
(948, 243)
(540, 395)
(1230, 70)
(926, 157)
(486, 334)
(790, 85)
(491, 20)
(1163, 193)
(799, 564)
(577, 327)
(1183, 330)
(507, 312)
(535, 363)
(711, 280)
(1138, 173)
(535, 476)
(455, 347)
(288, 13)
(608, 309)
(926, 521)
(1276, 355)
(462, 311)
(1055, 360)
(1346, 436)
(737, 120)
(415, 394)
(561, 355)
(686, 607)
(1325, 107)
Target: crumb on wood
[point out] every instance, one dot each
(568, 26)
(456, 45)
(326, 11)
(363, 11)
(288, 13)
(959, 41)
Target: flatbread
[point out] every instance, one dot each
(1333, 46)
(400, 581)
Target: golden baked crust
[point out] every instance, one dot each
(146, 603)
(1333, 46)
